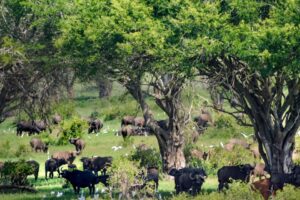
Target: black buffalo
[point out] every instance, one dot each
(96, 164)
(127, 120)
(152, 175)
(239, 172)
(26, 126)
(188, 180)
(78, 143)
(37, 144)
(51, 165)
(64, 157)
(83, 179)
(95, 125)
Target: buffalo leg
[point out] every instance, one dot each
(75, 189)
(90, 189)
(221, 185)
(226, 185)
(93, 189)
(46, 174)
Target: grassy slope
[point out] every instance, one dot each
(86, 101)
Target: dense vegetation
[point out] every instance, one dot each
(155, 53)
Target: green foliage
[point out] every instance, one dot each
(22, 151)
(123, 173)
(196, 162)
(15, 173)
(187, 150)
(46, 138)
(118, 110)
(146, 157)
(224, 121)
(94, 114)
(220, 157)
(72, 128)
(65, 109)
(289, 192)
(225, 127)
(5, 149)
(237, 190)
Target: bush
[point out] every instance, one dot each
(220, 157)
(94, 115)
(123, 173)
(187, 151)
(116, 110)
(22, 151)
(5, 149)
(46, 138)
(289, 192)
(237, 190)
(224, 121)
(147, 158)
(15, 173)
(72, 128)
(195, 162)
(66, 109)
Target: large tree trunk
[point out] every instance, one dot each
(272, 104)
(105, 87)
(70, 91)
(170, 140)
(172, 153)
(277, 154)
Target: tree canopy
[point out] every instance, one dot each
(248, 50)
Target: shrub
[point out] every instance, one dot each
(15, 173)
(195, 162)
(190, 133)
(65, 108)
(220, 157)
(46, 138)
(224, 121)
(5, 149)
(147, 157)
(22, 151)
(94, 114)
(237, 190)
(116, 110)
(123, 173)
(72, 128)
(187, 150)
(288, 192)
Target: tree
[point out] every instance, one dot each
(132, 42)
(30, 76)
(250, 49)
(104, 86)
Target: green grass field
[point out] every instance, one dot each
(101, 144)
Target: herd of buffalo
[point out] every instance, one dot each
(188, 180)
